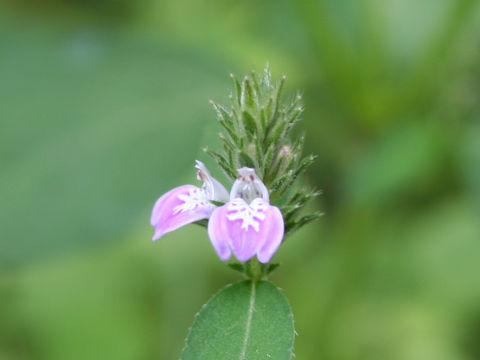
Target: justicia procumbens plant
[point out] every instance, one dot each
(250, 319)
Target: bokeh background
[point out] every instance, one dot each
(104, 107)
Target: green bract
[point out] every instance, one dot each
(257, 127)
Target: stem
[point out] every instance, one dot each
(254, 269)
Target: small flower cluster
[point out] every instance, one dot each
(263, 165)
(246, 224)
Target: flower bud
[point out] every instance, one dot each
(282, 161)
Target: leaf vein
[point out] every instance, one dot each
(251, 308)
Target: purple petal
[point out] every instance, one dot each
(217, 232)
(178, 207)
(274, 239)
(246, 229)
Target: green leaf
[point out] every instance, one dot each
(246, 320)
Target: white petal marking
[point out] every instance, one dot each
(251, 215)
(195, 198)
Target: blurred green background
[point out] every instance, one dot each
(104, 107)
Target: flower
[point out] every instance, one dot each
(187, 203)
(246, 225)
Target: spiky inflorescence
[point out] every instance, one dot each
(257, 127)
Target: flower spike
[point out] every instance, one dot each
(186, 204)
(261, 162)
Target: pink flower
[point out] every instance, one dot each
(187, 203)
(247, 225)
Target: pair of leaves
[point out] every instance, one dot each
(246, 320)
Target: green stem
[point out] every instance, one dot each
(254, 269)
